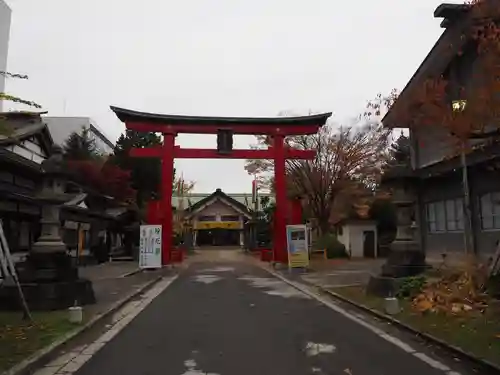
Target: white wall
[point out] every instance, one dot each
(344, 238)
(357, 239)
(5, 15)
(353, 239)
(61, 128)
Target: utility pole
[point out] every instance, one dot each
(457, 107)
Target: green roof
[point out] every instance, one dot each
(192, 198)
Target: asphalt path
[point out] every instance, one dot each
(236, 319)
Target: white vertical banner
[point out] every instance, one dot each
(150, 246)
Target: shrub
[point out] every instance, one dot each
(334, 248)
(410, 287)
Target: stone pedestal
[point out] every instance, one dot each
(404, 263)
(382, 286)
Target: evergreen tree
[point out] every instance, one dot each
(400, 151)
(145, 172)
(80, 146)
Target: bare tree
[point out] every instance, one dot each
(348, 163)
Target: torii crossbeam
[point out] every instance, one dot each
(171, 125)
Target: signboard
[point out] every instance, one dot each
(218, 224)
(150, 246)
(297, 239)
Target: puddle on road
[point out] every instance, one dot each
(313, 349)
(206, 279)
(277, 287)
(191, 369)
(219, 269)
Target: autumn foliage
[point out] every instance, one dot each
(105, 178)
(464, 98)
(348, 164)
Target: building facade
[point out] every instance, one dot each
(62, 127)
(435, 162)
(217, 219)
(85, 218)
(5, 15)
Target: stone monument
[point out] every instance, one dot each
(49, 276)
(405, 258)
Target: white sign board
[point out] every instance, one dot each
(150, 246)
(297, 245)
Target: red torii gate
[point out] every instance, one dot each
(171, 125)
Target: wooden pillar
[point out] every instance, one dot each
(280, 254)
(167, 175)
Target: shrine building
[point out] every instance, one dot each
(216, 219)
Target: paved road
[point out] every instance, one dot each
(234, 319)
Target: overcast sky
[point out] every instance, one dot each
(215, 57)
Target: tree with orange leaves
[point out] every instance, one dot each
(104, 177)
(465, 106)
(348, 163)
(464, 99)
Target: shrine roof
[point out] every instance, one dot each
(128, 115)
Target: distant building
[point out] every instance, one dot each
(217, 219)
(62, 127)
(4, 41)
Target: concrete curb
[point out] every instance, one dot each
(35, 360)
(132, 273)
(429, 338)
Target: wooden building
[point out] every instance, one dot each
(88, 220)
(216, 219)
(438, 191)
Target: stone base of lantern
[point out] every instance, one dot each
(405, 259)
(49, 282)
(383, 286)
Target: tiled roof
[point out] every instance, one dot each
(193, 198)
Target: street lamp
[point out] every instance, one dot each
(457, 107)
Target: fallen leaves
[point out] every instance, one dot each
(456, 293)
(20, 338)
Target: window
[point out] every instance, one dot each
(490, 211)
(451, 223)
(27, 152)
(33, 147)
(431, 217)
(454, 215)
(445, 216)
(207, 218)
(440, 217)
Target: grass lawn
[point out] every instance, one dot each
(19, 339)
(478, 334)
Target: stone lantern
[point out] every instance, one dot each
(49, 277)
(406, 257)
